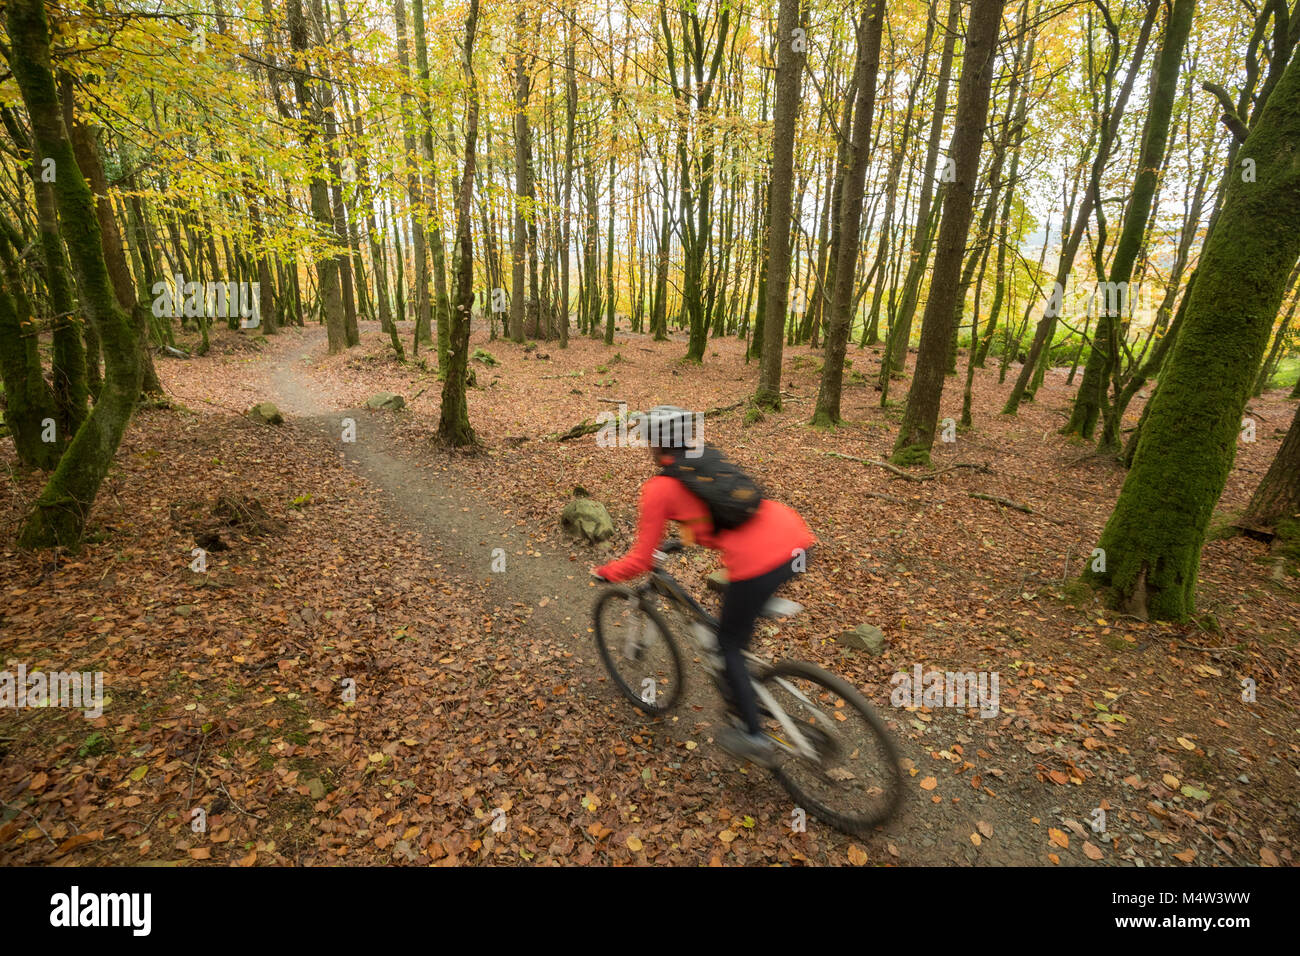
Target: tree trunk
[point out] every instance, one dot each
(1277, 499)
(1104, 354)
(895, 359)
(29, 404)
(916, 436)
(419, 246)
(59, 517)
(1154, 537)
(453, 424)
(790, 44)
(827, 411)
(327, 267)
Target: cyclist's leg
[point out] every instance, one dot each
(741, 605)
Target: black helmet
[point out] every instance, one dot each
(669, 427)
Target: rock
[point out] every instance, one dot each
(388, 400)
(266, 413)
(864, 637)
(315, 788)
(588, 519)
(717, 581)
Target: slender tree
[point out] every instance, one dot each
(916, 436)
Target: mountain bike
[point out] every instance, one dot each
(835, 756)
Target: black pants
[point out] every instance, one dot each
(740, 607)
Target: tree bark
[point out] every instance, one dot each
(916, 436)
(827, 411)
(60, 514)
(453, 423)
(1154, 537)
(791, 53)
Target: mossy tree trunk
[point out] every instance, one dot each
(60, 514)
(916, 435)
(86, 149)
(900, 333)
(327, 267)
(68, 364)
(1154, 537)
(840, 317)
(1091, 400)
(29, 403)
(1107, 129)
(453, 425)
(789, 70)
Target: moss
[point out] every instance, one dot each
(1209, 622)
(1117, 643)
(1154, 537)
(1287, 539)
(910, 455)
(823, 419)
(1077, 593)
(1222, 527)
(95, 745)
(60, 512)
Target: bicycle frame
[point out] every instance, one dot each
(664, 584)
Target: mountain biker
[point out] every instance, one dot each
(759, 555)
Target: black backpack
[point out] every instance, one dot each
(731, 495)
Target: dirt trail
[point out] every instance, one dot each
(462, 533)
(455, 525)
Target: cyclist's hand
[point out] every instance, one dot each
(596, 575)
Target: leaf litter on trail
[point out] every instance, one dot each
(440, 656)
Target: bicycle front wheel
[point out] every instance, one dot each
(851, 778)
(638, 650)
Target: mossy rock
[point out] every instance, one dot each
(588, 519)
(389, 400)
(266, 413)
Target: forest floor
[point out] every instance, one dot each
(479, 696)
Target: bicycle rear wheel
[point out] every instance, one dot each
(854, 781)
(638, 650)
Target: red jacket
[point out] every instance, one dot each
(765, 541)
